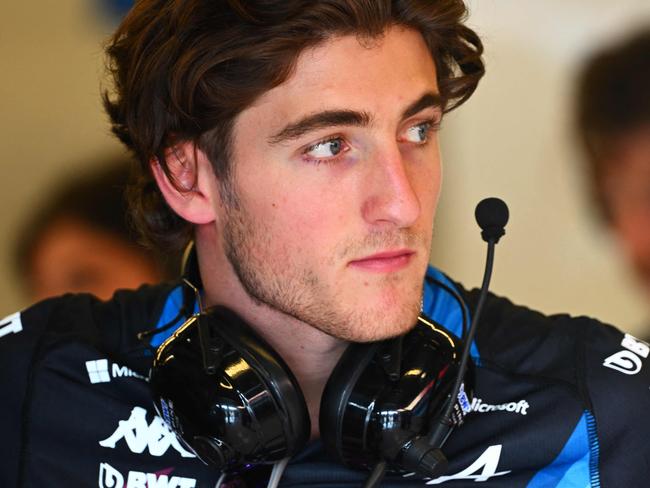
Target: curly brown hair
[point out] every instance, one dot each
(183, 71)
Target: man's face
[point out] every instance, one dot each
(627, 187)
(337, 174)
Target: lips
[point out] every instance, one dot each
(384, 262)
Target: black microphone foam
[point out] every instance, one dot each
(492, 216)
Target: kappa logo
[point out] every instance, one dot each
(628, 361)
(11, 324)
(520, 407)
(139, 435)
(98, 371)
(109, 477)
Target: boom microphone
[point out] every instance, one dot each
(491, 215)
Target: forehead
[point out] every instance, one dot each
(373, 75)
(340, 61)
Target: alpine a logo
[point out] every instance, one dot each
(520, 407)
(99, 371)
(139, 435)
(109, 477)
(482, 469)
(11, 324)
(628, 361)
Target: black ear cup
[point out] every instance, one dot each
(227, 395)
(234, 402)
(377, 407)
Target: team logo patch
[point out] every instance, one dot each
(521, 407)
(139, 435)
(11, 324)
(463, 400)
(109, 477)
(629, 360)
(98, 371)
(101, 371)
(483, 469)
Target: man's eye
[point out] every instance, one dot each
(419, 134)
(325, 149)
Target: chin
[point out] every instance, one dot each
(392, 315)
(380, 326)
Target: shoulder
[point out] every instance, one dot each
(70, 322)
(604, 368)
(515, 336)
(617, 385)
(599, 359)
(67, 368)
(84, 317)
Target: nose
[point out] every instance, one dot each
(391, 198)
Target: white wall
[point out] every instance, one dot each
(509, 140)
(513, 140)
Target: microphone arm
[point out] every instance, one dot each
(436, 436)
(491, 215)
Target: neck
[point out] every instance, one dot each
(310, 354)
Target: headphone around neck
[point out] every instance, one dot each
(234, 402)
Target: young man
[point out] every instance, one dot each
(295, 143)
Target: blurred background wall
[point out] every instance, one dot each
(512, 140)
(51, 123)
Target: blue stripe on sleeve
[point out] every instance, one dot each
(572, 468)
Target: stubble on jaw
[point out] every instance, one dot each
(300, 293)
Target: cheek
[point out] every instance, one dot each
(434, 183)
(309, 215)
(305, 224)
(427, 181)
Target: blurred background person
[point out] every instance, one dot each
(613, 124)
(80, 241)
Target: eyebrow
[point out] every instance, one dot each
(427, 100)
(327, 118)
(330, 118)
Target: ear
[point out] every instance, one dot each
(187, 186)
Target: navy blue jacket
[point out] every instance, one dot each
(559, 401)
